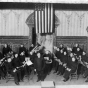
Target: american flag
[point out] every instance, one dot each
(44, 18)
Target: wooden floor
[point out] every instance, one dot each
(52, 77)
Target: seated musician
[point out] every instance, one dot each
(64, 61)
(6, 49)
(16, 63)
(22, 60)
(56, 59)
(60, 69)
(48, 62)
(84, 62)
(11, 70)
(39, 66)
(71, 67)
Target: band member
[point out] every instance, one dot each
(1, 55)
(22, 49)
(60, 69)
(11, 70)
(71, 67)
(31, 47)
(39, 66)
(61, 47)
(6, 49)
(16, 63)
(74, 50)
(22, 60)
(56, 62)
(84, 60)
(65, 61)
(48, 62)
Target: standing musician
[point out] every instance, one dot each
(71, 67)
(22, 49)
(61, 47)
(39, 66)
(6, 49)
(48, 62)
(74, 50)
(31, 47)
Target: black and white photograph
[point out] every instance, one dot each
(43, 43)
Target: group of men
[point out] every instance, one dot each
(63, 60)
(14, 63)
(69, 60)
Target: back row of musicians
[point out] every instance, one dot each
(64, 61)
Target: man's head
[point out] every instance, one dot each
(47, 52)
(71, 54)
(16, 55)
(58, 49)
(21, 45)
(30, 53)
(38, 55)
(61, 45)
(76, 45)
(78, 49)
(32, 45)
(65, 53)
(84, 53)
(5, 45)
(9, 60)
(61, 51)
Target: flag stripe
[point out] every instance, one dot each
(39, 21)
(36, 22)
(48, 17)
(42, 21)
(45, 18)
(51, 18)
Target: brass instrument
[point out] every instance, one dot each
(35, 48)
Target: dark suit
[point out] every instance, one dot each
(9, 69)
(39, 66)
(72, 65)
(6, 50)
(47, 64)
(84, 68)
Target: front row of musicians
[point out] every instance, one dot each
(65, 60)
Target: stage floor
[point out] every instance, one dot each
(52, 77)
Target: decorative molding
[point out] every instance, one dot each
(15, 41)
(71, 40)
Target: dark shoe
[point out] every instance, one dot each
(65, 80)
(55, 72)
(58, 73)
(86, 80)
(17, 83)
(38, 80)
(21, 81)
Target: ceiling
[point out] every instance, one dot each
(48, 1)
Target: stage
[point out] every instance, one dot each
(74, 83)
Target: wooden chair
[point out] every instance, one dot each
(74, 75)
(9, 77)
